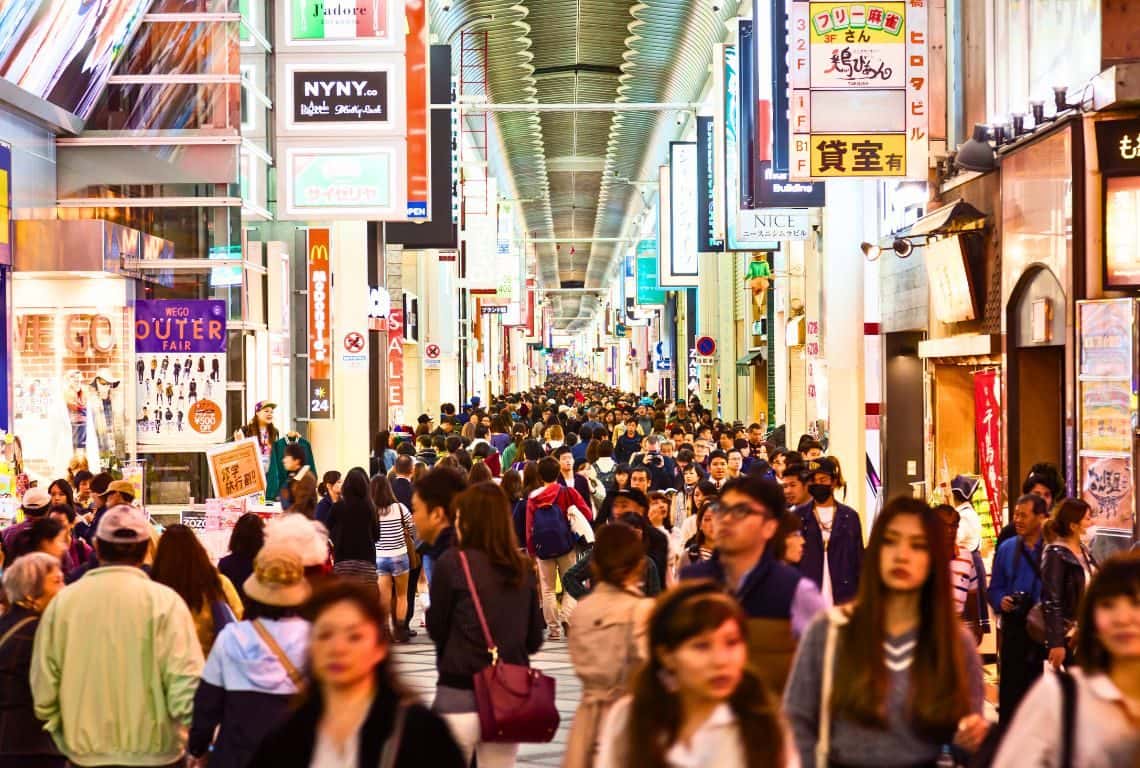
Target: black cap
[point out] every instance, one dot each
(825, 465)
(424, 418)
(634, 495)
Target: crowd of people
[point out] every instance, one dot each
(720, 602)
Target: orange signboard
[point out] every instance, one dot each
(235, 469)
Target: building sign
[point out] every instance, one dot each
(773, 224)
(706, 186)
(345, 22)
(235, 469)
(340, 97)
(395, 356)
(418, 126)
(493, 309)
(5, 204)
(180, 371)
(858, 89)
(733, 240)
(353, 182)
(320, 325)
(1118, 146)
(987, 432)
(1121, 229)
(680, 268)
(1106, 485)
(950, 291)
(648, 292)
(1105, 330)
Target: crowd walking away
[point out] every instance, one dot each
(569, 575)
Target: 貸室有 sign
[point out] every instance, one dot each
(859, 87)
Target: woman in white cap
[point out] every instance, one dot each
(254, 668)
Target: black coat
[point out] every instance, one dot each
(1062, 587)
(426, 740)
(353, 529)
(402, 490)
(22, 737)
(514, 616)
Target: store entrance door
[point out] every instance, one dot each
(1040, 404)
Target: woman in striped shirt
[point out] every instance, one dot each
(392, 555)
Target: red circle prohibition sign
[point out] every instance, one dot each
(354, 342)
(432, 351)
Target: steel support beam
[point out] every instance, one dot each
(605, 106)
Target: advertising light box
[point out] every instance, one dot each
(346, 94)
(342, 182)
(355, 24)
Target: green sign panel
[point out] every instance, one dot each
(648, 292)
(336, 20)
(341, 181)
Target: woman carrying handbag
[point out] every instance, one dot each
(485, 621)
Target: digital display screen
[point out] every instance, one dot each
(63, 51)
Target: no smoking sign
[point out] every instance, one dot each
(354, 355)
(431, 351)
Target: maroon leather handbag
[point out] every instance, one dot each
(516, 703)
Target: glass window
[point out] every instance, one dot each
(1040, 44)
(175, 478)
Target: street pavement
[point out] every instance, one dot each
(415, 665)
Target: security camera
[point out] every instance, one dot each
(716, 6)
(445, 6)
(680, 118)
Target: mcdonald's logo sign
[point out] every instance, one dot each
(320, 325)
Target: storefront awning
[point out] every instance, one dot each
(751, 358)
(958, 216)
(963, 345)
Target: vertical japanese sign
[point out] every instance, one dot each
(180, 371)
(731, 149)
(987, 432)
(648, 292)
(320, 325)
(415, 52)
(858, 89)
(706, 186)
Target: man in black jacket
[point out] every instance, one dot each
(431, 513)
(662, 469)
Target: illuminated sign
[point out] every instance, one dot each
(773, 224)
(340, 97)
(734, 241)
(320, 325)
(355, 23)
(649, 293)
(334, 182)
(680, 269)
(859, 81)
(5, 204)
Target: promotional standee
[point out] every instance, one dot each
(180, 371)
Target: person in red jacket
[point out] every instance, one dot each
(552, 493)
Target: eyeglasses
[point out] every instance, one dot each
(736, 511)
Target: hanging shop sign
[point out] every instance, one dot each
(858, 90)
(339, 97)
(320, 325)
(706, 186)
(352, 24)
(773, 224)
(418, 130)
(680, 269)
(180, 371)
(1118, 146)
(396, 364)
(951, 294)
(1106, 485)
(1121, 247)
(235, 469)
(649, 293)
(347, 182)
(5, 205)
(987, 432)
(731, 149)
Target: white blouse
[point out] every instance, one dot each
(716, 744)
(328, 754)
(1104, 734)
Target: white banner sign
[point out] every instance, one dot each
(773, 224)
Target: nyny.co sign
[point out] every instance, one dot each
(340, 97)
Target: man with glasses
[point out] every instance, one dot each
(778, 599)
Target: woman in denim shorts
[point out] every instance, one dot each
(392, 556)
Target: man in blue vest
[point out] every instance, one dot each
(833, 535)
(779, 600)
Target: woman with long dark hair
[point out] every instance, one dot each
(246, 540)
(393, 556)
(182, 564)
(354, 529)
(383, 456)
(504, 582)
(893, 677)
(1103, 690)
(1067, 567)
(355, 713)
(701, 545)
(696, 700)
(329, 491)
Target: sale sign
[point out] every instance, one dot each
(180, 371)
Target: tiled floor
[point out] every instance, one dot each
(415, 663)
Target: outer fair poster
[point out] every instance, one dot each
(180, 371)
(1106, 484)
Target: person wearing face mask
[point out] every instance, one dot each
(1067, 567)
(833, 536)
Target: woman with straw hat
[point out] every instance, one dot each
(254, 668)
